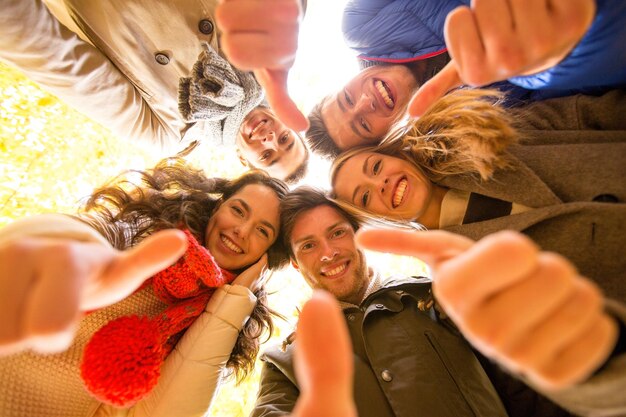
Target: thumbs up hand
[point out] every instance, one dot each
(527, 309)
(46, 282)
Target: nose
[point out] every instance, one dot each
(242, 230)
(328, 252)
(383, 184)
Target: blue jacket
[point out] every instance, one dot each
(401, 31)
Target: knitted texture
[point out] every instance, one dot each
(218, 94)
(121, 363)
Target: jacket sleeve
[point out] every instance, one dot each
(603, 393)
(579, 112)
(598, 61)
(35, 42)
(277, 393)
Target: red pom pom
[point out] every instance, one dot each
(121, 363)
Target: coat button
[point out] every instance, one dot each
(162, 58)
(206, 26)
(606, 198)
(386, 375)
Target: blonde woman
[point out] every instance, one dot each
(558, 177)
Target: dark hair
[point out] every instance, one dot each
(173, 194)
(303, 199)
(301, 169)
(317, 136)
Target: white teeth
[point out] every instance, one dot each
(230, 244)
(261, 123)
(384, 93)
(399, 194)
(335, 271)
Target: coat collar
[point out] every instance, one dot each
(517, 184)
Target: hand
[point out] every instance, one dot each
(498, 39)
(323, 360)
(255, 276)
(262, 36)
(527, 309)
(45, 283)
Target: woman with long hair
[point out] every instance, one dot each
(553, 170)
(161, 349)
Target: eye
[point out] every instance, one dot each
(263, 231)
(265, 155)
(306, 246)
(338, 233)
(348, 99)
(283, 139)
(364, 125)
(365, 198)
(376, 167)
(237, 211)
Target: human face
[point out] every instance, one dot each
(385, 185)
(323, 245)
(243, 227)
(264, 142)
(364, 110)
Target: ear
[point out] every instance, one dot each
(295, 265)
(243, 160)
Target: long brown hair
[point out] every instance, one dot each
(173, 194)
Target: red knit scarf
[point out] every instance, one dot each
(122, 361)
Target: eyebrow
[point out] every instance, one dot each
(248, 209)
(328, 229)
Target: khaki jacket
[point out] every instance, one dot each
(570, 161)
(37, 385)
(117, 61)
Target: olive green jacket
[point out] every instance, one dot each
(410, 361)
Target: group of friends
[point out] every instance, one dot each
(137, 304)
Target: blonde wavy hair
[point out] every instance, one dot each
(464, 133)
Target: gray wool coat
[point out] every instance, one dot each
(570, 167)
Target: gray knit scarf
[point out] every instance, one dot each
(219, 95)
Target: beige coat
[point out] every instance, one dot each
(37, 385)
(117, 61)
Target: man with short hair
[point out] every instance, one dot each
(524, 309)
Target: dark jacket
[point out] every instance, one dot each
(402, 31)
(410, 362)
(570, 166)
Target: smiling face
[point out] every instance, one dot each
(264, 142)
(243, 227)
(385, 185)
(322, 241)
(365, 109)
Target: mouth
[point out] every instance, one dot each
(230, 244)
(399, 192)
(256, 126)
(335, 270)
(385, 94)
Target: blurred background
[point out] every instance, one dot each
(51, 157)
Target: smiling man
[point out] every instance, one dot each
(264, 142)
(411, 359)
